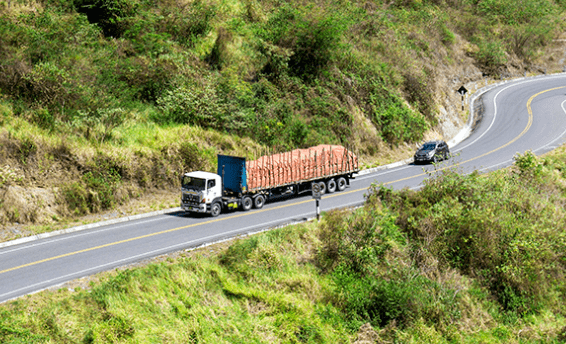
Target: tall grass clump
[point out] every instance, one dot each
(513, 29)
(504, 229)
(376, 280)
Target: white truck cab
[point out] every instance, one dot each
(201, 192)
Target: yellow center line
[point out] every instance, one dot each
(274, 208)
(529, 124)
(142, 237)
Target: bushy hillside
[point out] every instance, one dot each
(103, 100)
(468, 259)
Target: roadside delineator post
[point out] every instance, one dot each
(462, 90)
(316, 194)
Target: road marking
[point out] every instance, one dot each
(530, 121)
(76, 235)
(548, 145)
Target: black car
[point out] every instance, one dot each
(432, 151)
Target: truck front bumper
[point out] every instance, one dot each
(195, 208)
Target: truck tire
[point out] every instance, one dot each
(322, 187)
(215, 209)
(259, 201)
(247, 203)
(341, 184)
(330, 185)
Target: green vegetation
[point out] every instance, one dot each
(102, 101)
(123, 81)
(467, 259)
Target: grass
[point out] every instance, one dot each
(384, 272)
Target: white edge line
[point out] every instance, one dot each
(254, 230)
(463, 134)
(84, 227)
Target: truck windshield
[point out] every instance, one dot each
(193, 183)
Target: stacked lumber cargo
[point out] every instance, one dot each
(300, 165)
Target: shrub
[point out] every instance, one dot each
(99, 125)
(148, 78)
(113, 329)
(27, 147)
(420, 92)
(491, 53)
(191, 156)
(401, 296)
(359, 240)
(375, 281)
(498, 229)
(189, 21)
(528, 164)
(46, 84)
(44, 118)
(110, 15)
(97, 189)
(394, 118)
(527, 24)
(447, 36)
(307, 40)
(191, 105)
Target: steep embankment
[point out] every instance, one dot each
(103, 104)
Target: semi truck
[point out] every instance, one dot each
(241, 184)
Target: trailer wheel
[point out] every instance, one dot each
(342, 184)
(322, 187)
(247, 203)
(330, 185)
(215, 209)
(259, 201)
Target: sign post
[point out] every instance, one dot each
(317, 195)
(462, 90)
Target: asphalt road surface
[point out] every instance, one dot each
(527, 114)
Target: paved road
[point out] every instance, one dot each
(523, 115)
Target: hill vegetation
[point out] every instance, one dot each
(104, 101)
(468, 259)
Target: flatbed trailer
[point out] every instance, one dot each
(246, 184)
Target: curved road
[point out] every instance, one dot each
(528, 114)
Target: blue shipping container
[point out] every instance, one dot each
(233, 172)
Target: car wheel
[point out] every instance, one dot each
(259, 201)
(435, 159)
(330, 186)
(216, 209)
(342, 183)
(247, 203)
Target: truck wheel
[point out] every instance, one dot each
(247, 203)
(322, 187)
(216, 209)
(259, 201)
(330, 185)
(342, 183)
